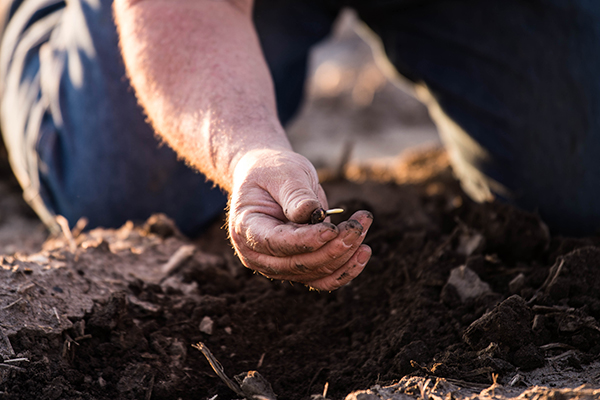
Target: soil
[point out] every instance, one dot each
(477, 294)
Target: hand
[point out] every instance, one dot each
(274, 193)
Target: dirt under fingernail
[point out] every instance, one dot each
(328, 235)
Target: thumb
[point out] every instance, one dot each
(291, 181)
(299, 195)
(298, 199)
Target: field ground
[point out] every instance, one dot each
(460, 300)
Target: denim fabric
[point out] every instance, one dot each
(512, 85)
(74, 130)
(514, 89)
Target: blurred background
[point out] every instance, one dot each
(350, 104)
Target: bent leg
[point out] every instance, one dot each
(68, 111)
(73, 128)
(515, 91)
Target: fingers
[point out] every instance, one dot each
(259, 227)
(268, 236)
(346, 273)
(312, 266)
(273, 196)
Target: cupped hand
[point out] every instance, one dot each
(274, 193)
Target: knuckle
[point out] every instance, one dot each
(300, 268)
(337, 250)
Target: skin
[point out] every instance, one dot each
(197, 69)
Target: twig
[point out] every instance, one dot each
(150, 387)
(79, 226)
(515, 379)
(552, 346)
(12, 304)
(218, 368)
(566, 354)
(494, 384)
(56, 314)
(17, 360)
(260, 361)
(6, 348)
(13, 367)
(67, 345)
(556, 274)
(550, 280)
(423, 388)
(64, 226)
(546, 309)
(25, 287)
(182, 254)
(325, 389)
(314, 379)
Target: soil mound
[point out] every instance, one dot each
(112, 314)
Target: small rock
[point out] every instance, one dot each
(255, 386)
(228, 330)
(206, 325)
(175, 285)
(518, 282)
(467, 283)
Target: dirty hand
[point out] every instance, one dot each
(274, 193)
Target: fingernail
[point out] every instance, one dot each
(328, 235)
(363, 256)
(353, 231)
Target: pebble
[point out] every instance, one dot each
(207, 325)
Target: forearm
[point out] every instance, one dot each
(198, 70)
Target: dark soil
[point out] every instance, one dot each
(401, 316)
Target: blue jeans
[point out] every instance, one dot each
(513, 86)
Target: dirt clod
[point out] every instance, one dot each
(508, 325)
